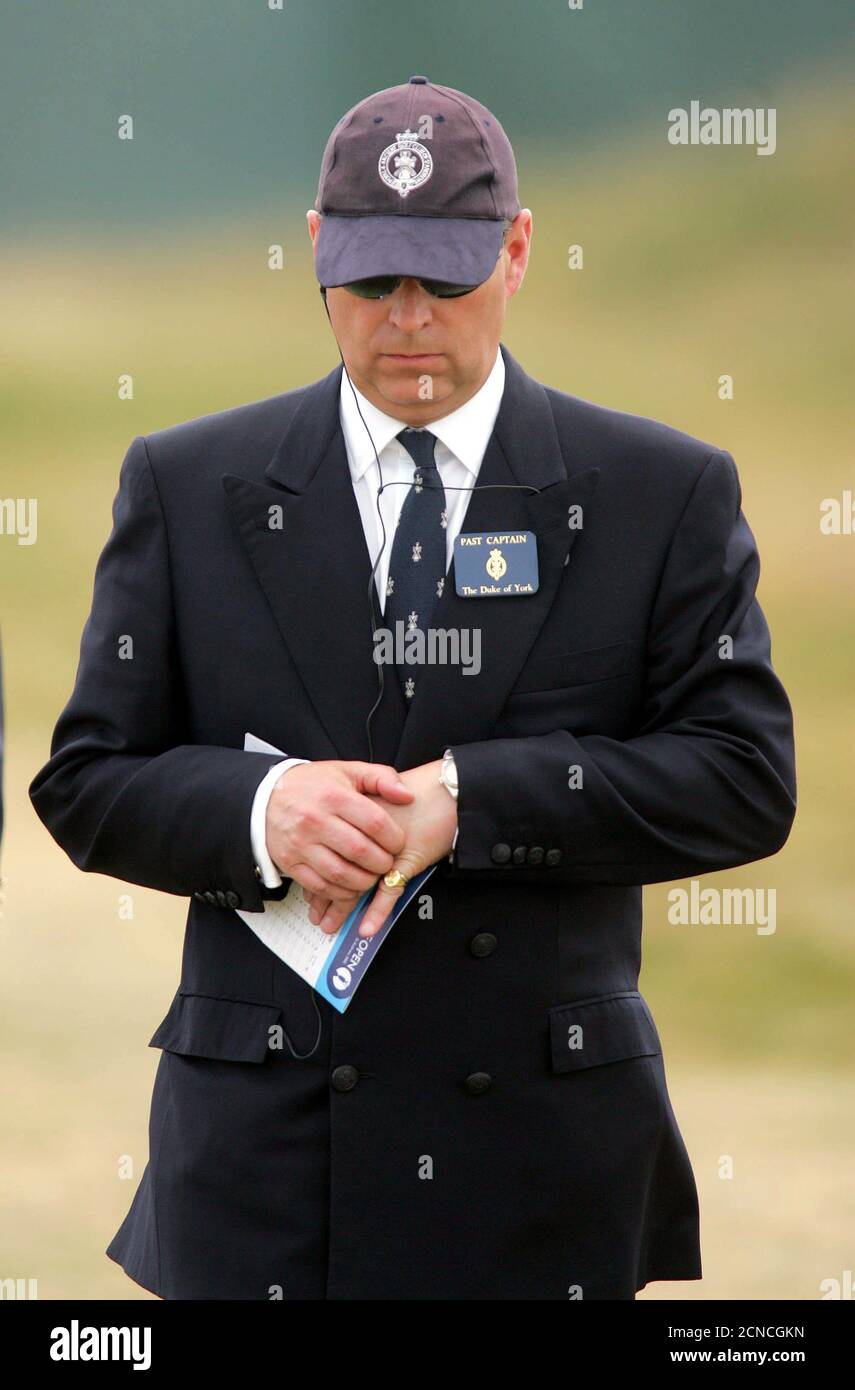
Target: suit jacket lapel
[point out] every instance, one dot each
(303, 533)
(314, 567)
(450, 706)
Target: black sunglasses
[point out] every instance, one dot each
(378, 286)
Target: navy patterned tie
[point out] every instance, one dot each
(417, 564)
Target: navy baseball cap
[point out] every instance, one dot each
(415, 180)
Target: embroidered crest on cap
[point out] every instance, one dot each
(406, 164)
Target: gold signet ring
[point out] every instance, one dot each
(395, 879)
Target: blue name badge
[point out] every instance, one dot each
(495, 564)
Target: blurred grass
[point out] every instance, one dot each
(697, 263)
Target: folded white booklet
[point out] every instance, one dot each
(333, 965)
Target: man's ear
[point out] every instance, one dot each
(313, 220)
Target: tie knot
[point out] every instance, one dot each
(419, 444)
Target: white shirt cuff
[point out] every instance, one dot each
(270, 875)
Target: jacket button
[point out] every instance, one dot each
(344, 1078)
(483, 944)
(500, 854)
(518, 856)
(210, 897)
(233, 898)
(200, 897)
(479, 1081)
(553, 856)
(535, 855)
(221, 897)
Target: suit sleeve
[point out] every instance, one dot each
(124, 793)
(707, 782)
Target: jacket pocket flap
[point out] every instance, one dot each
(230, 1030)
(574, 668)
(609, 1028)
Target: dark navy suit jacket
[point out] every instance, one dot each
(490, 1118)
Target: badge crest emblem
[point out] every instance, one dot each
(405, 165)
(496, 565)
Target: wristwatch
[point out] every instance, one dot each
(448, 773)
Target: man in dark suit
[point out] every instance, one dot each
(490, 1117)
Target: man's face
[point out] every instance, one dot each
(418, 357)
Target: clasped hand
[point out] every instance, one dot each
(337, 827)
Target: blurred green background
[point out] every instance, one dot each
(150, 258)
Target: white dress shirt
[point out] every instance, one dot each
(462, 439)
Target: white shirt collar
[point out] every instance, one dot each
(465, 431)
